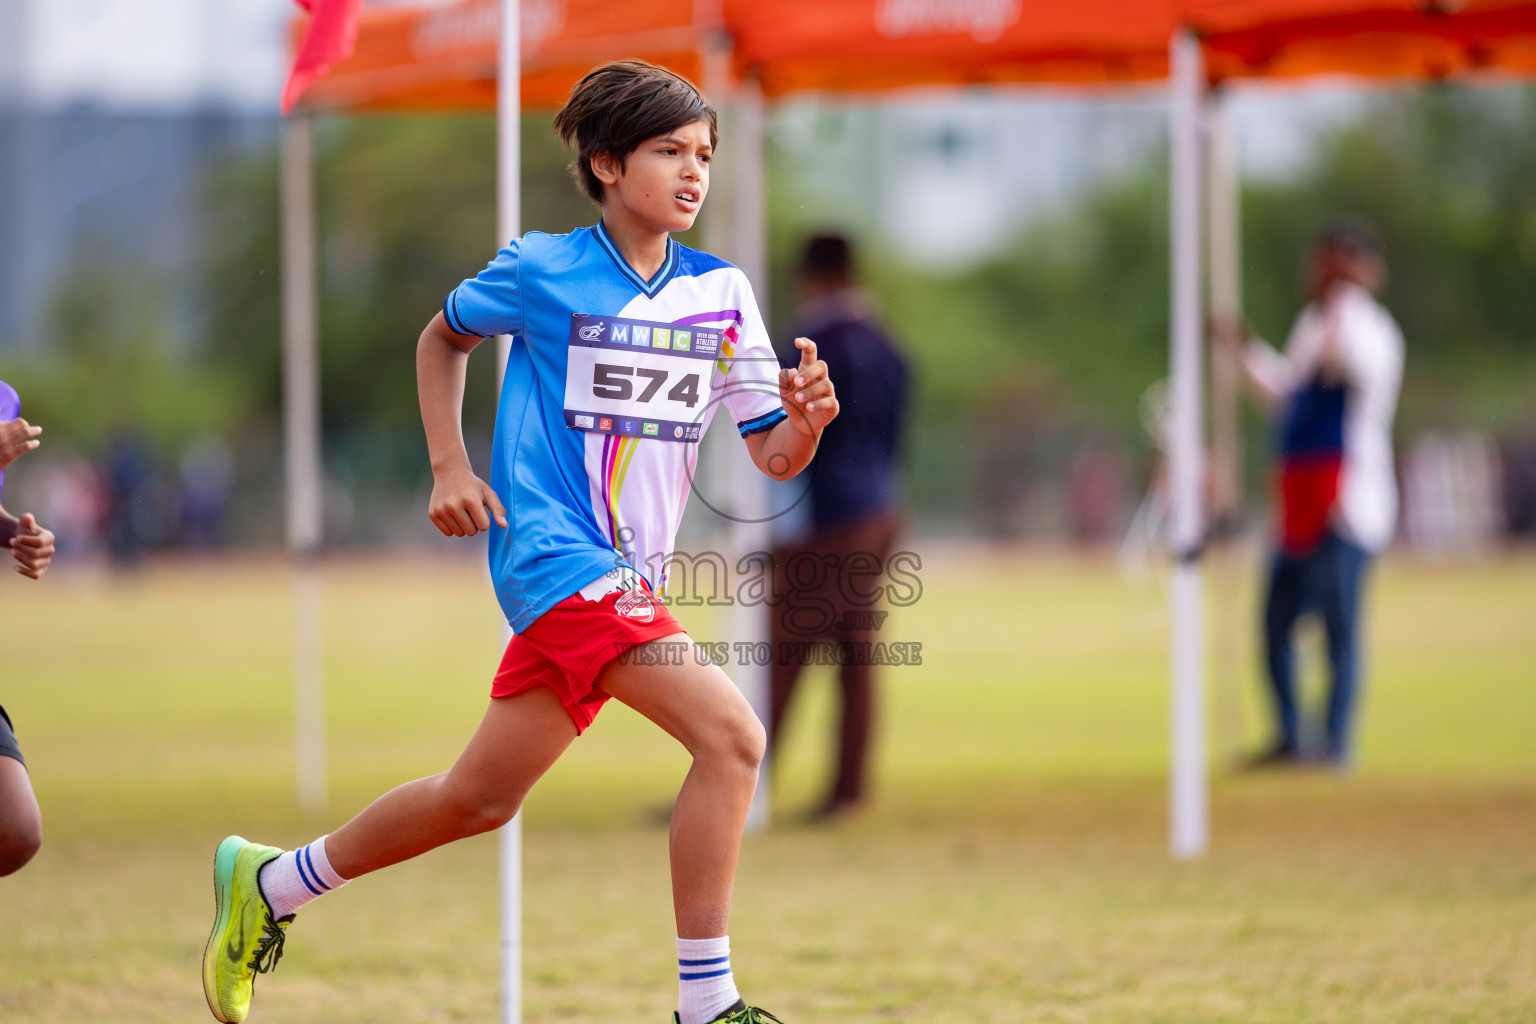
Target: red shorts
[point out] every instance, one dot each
(567, 647)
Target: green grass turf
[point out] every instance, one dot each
(1013, 868)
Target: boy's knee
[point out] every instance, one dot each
(473, 813)
(487, 816)
(738, 740)
(754, 742)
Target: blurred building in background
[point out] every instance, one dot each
(111, 113)
(956, 178)
(108, 111)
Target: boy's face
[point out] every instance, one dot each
(662, 184)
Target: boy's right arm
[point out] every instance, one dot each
(462, 504)
(16, 439)
(1265, 371)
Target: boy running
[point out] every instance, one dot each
(625, 343)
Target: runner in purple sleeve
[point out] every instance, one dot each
(16, 434)
(30, 544)
(21, 823)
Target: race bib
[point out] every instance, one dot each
(640, 379)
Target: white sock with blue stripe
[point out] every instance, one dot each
(706, 987)
(298, 876)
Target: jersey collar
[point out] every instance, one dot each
(657, 282)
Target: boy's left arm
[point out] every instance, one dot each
(811, 403)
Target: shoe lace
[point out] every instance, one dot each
(750, 1015)
(269, 948)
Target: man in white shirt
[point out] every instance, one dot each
(1333, 391)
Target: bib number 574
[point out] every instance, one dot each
(612, 381)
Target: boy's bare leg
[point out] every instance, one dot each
(21, 823)
(703, 710)
(518, 740)
(258, 889)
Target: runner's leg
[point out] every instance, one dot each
(518, 740)
(1283, 605)
(21, 823)
(700, 707)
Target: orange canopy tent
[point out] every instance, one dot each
(465, 55)
(1382, 39)
(444, 57)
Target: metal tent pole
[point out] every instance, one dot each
(301, 444)
(1226, 302)
(735, 227)
(715, 72)
(508, 218)
(1226, 306)
(1188, 785)
(751, 533)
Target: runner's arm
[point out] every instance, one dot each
(783, 451)
(17, 437)
(31, 545)
(811, 403)
(460, 500)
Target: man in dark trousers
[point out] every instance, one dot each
(828, 578)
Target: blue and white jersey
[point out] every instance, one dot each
(580, 503)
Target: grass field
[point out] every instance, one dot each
(1013, 870)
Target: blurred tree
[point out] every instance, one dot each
(407, 209)
(1448, 175)
(1071, 323)
(111, 369)
(1076, 309)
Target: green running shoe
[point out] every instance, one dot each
(741, 1013)
(246, 939)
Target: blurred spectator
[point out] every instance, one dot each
(1008, 436)
(125, 472)
(70, 497)
(1335, 392)
(1519, 474)
(855, 494)
(1452, 495)
(207, 481)
(143, 507)
(1096, 489)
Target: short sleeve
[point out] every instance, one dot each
(752, 384)
(1268, 371)
(491, 302)
(1373, 350)
(1373, 357)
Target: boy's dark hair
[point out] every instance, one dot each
(827, 256)
(616, 107)
(1351, 233)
